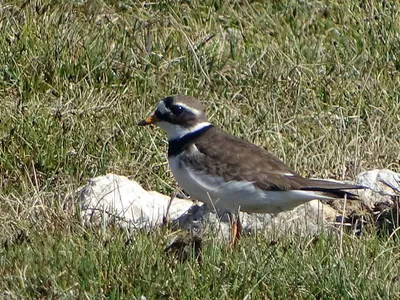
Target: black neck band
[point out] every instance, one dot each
(178, 145)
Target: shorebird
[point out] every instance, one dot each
(230, 173)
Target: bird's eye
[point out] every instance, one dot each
(177, 109)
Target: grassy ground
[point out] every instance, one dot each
(315, 82)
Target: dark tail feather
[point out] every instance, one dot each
(334, 193)
(333, 189)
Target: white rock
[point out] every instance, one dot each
(113, 198)
(385, 182)
(383, 186)
(307, 219)
(116, 199)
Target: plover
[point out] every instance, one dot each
(229, 173)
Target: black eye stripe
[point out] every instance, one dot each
(160, 116)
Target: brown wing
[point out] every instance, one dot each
(236, 159)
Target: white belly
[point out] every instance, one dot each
(234, 195)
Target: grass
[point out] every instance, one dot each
(316, 83)
(78, 264)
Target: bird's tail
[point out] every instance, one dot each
(332, 189)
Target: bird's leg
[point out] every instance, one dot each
(235, 229)
(166, 218)
(232, 229)
(239, 228)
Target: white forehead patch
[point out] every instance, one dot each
(162, 108)
(194, 111)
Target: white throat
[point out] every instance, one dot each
(175, 131)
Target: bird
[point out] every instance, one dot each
(231, 174)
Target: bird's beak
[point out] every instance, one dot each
(148, 121)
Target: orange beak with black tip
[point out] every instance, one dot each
(148, 121)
